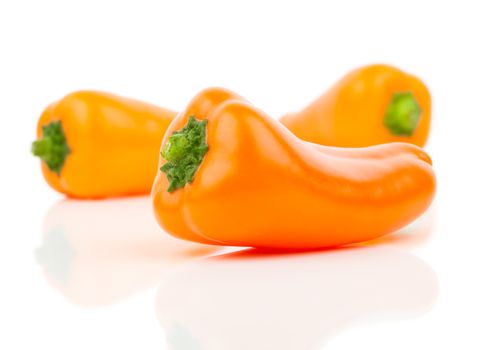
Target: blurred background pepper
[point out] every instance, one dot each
(371, 105)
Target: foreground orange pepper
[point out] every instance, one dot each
(229, 174)
(371, 105)
(95, 145)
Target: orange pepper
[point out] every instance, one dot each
(95, 145)
(229, 174)
(371, 105)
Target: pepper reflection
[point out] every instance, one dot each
(249, 300)
(99, 252)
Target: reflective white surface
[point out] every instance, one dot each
(103, 275)
(249, 300)
(96, 254)
(101, 252)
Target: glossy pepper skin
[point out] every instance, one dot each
(94, 144)
(259, 185)
(371, 105)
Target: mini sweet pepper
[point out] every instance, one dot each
(229, 174)
(94, 144)
(371, 105)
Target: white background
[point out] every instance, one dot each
(106, 277)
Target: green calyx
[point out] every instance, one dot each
(403, 114)
(184, 151)
(52, 148)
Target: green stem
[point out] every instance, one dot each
(184, 152)
(403, 114)
(42, 148)
(52, 147)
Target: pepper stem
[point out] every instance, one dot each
(52, 147)
(403, 114)
(184, 151)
